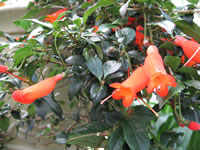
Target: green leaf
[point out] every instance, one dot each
(100, 3)
(173, 62)
(95, 66)
(4, 123)
(125, 35)
(75, 86)
(123, 9)
(45, 24)
(113, 116)
(106, 26)
(192, 30)
(31, 110)
(116, 140)
(193, 83)
(189, 70)
(22, 54)
(193, 1)
(75, 60)
(167, 45)
(61, 138)
(92, 140)
(110, 67)
(134, 128)
(194, 141)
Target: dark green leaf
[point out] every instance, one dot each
(95, 66)
(61, 138)
(4, 123)
(92, 127)
(75, 86)
(189, 70)
(97, 92)
(110, 67)
(96, 112)
(92, 140)
(173, 62)
(112, 117)
(134, 128)
(116, 140)
(169, 138)
(125, 35)
(47, 104)
(16, 114)
(167, 46)
(193, 83)
(194, 141)
(192, 30)
(100, 3)
(4, 109)
(75, 60)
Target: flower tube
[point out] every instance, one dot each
(127, 90)
(52, 17)
(38, 90)
(190, 48)
(158, 77)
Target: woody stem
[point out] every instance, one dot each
(192, 57)
(155, 113)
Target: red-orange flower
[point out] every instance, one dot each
(52, 17)
(189, 47)
(158, 77)
(38, 90)
(127, 89)
(192, 125)
(95, 29)
(190, 63)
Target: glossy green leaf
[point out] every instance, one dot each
(125, 35)
(75, 60)
(110, 67)
(31, 110)
(173, 62)
(116, 139)
(193, 83)
(99, 3)
(75, 86)
(123, 9)
(112, 117)
(95, 66)
(192, 30)
(134, 128)
(92, 140)
(4, 123)
(194, 141)
(45, 24)
(193, 1)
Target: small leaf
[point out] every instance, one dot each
(173, 62)
(193, 83)
(61, 138)
(167, 45)
(192, 30)
(110, 67)
(4, 123)
(123, 9)
(45, 24)
(95, 66)
(99, 3)
(116, 140)
(75, 60)
(91, 140)
(97, 92)
(125, 35)
(75, 86)
(112, 117)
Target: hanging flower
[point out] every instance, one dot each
(190, 48)
(52, 17)
(38, 90)
(95, 29)
(158, 77)
(131, 20)
(127, 90)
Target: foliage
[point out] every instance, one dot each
(94, 58)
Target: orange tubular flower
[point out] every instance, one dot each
(52, 17)
(38, 90)
(190, 48)
(154, 68)
(127, 89)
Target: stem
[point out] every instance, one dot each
(57, 49)
(129, 61)
(155, 113)
(179, 104)
(192, 57)
(104, 100)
